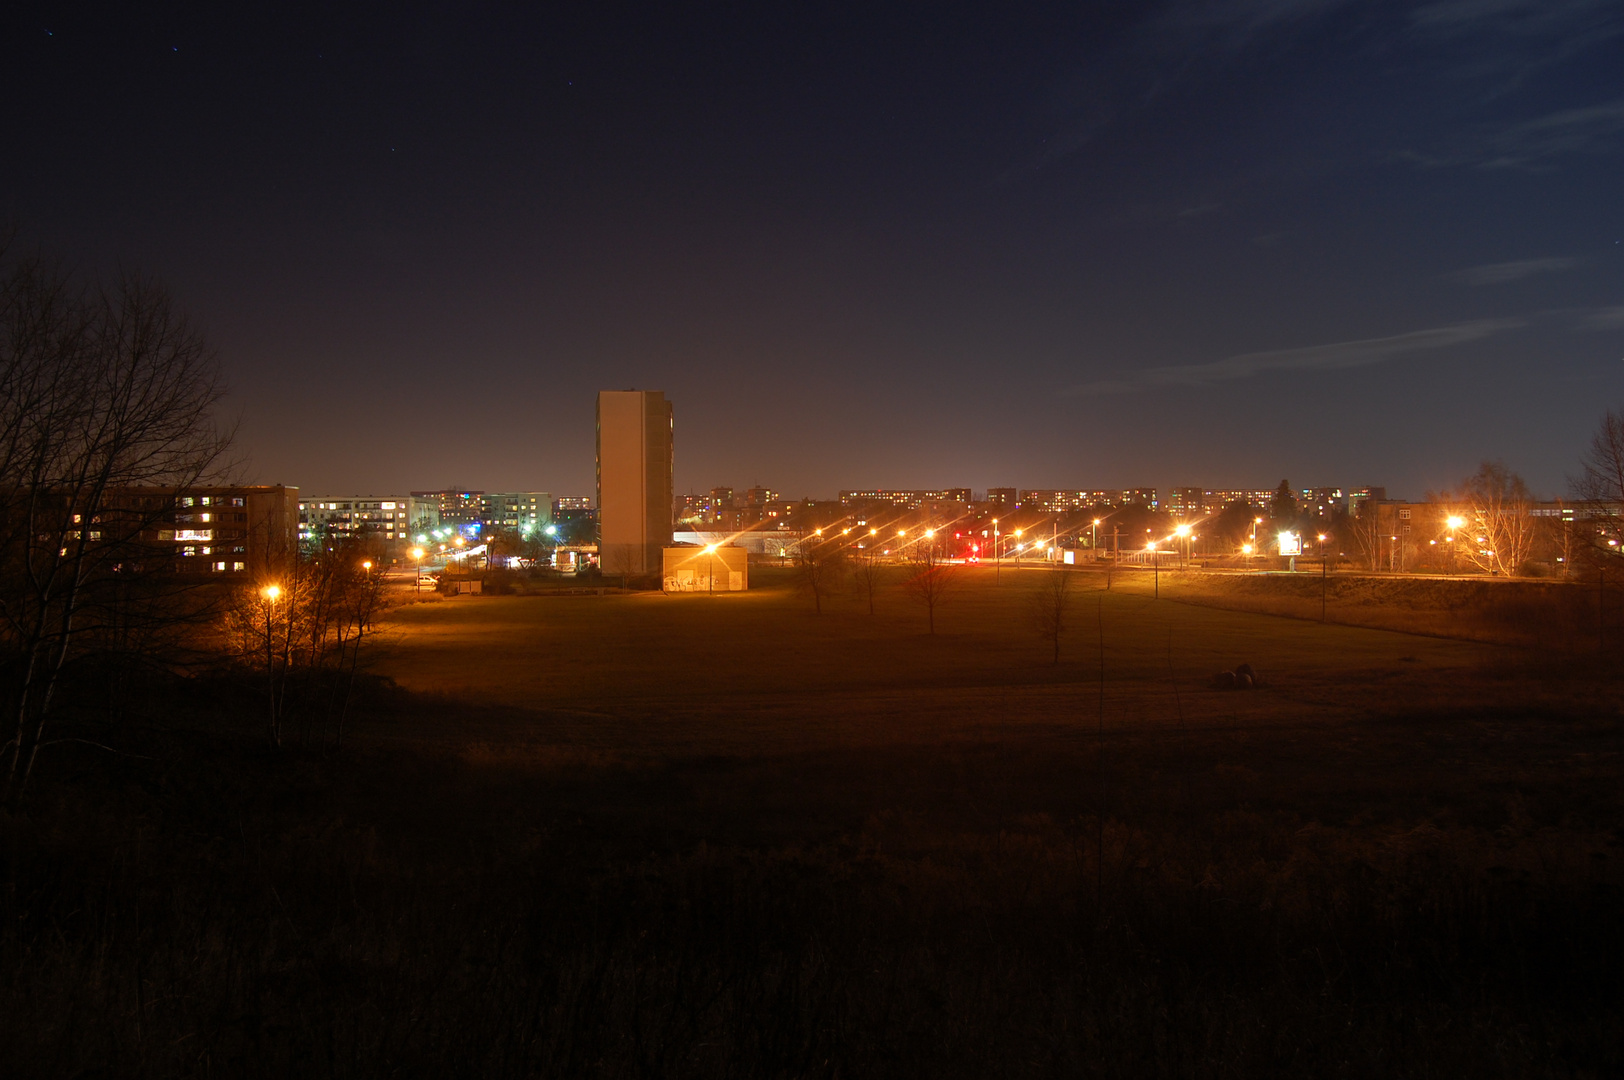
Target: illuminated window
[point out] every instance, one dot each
(237, 566)
(219, 566)
(187, 500)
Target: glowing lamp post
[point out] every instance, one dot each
(417, 569)
(1325, 562)
(270, 593)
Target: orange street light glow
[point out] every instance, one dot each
(272, 591)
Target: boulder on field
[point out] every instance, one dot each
(1245, 669)
(1244, 682)
(1224, 680)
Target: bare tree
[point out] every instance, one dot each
(102, 390)
(1500, 522)
(1365, 530)
(868, 573)
(1048, 606)
(620, 560)
(932, 579)
(817, 567)
(306, 633)
(1600, 484)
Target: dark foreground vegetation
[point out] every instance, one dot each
(1237, 886)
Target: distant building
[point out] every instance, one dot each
(1052, 501)
(907, 500)
(693, 509)
(574, 508)
(634, 459)
(1365, 496)
(1187, 500)
(1003, 498)
(526, 511)
(454, 506)
(389, 519)
(1323, 501)
(1218, 499)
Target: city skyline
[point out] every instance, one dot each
(1368, 243)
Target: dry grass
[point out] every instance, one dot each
(721, 836)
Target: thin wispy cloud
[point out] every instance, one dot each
(1332, 357)
(1184, 43)
(1513, 18)
(1503, 272)
(1231, 25)
(1535, 145)
(1609, 318)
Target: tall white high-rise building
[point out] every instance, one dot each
(634, 480)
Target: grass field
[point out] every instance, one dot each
(646, 835)
(760, 671)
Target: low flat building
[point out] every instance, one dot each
(711, 568)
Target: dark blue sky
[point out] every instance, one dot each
(1122, 244)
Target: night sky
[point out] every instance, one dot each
(1093, 245)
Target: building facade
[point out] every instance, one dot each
(247, 530)
(634, 459)
(391, 520)
(526, 511)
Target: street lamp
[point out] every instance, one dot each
(270, 592)
(995, 552)
(1325, 556)
(417, 569)
(1183, 533)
